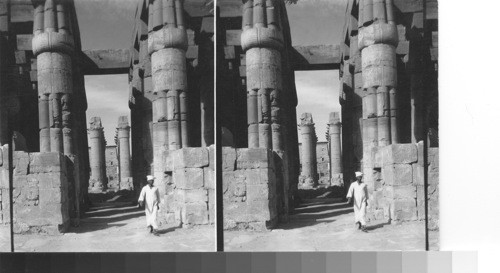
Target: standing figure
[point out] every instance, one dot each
(151, 195)
(359, 191)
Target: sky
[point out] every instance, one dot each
(316, 22)
(107, 24)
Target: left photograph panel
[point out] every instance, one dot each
(107, 126)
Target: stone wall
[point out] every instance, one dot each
(188, 185)
(40, 194)
(323, 161)
(250, 188)
(397, 187)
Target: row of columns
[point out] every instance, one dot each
(98, 178)
(309, 175)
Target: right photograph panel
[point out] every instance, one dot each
(328, 111)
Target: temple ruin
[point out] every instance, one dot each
(387, 128)
(52, 167)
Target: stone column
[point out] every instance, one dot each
(124, 149)
(167, 45)
(309, 175)
(98, 179)
(262, 41)
(4, 120)
(53, 46)
(335, 150)
(378, 39)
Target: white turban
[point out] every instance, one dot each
(150, 177)
(358, 174)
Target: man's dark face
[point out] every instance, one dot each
(150, 182)
(360, 179)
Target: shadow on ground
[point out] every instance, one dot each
(316, 211)
(106, 210)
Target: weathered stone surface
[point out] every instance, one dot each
(418, 174)
(106, 61)
(398, 174)
(196, 196)
(47, 163)
(254, 158)
(399, 154)
(24, 41)
(228, 159)
(262, 211)
(258, 193)
(209, 178)
(405, 211)
(211, 157)
(21, 13)
(260, 176)
(211, 206)
(21, 161)
(191, 158)
(188, 179)
(408, 192)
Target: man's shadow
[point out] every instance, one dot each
(166, 230)
(377, 226)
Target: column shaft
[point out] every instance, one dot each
(97, 156)
(309, 175)
(167, 45)
(53, 46)
(378, 39)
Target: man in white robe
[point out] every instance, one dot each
(151, 196)
(359, 191)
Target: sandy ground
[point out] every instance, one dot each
(116, 227)
(327, 225)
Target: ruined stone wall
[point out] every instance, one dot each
(398, 190)
(40, 193)
(189, 186)
(249, 186)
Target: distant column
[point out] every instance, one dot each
(309, 175)
(98, 179)
(124, 149)
(335, 150)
